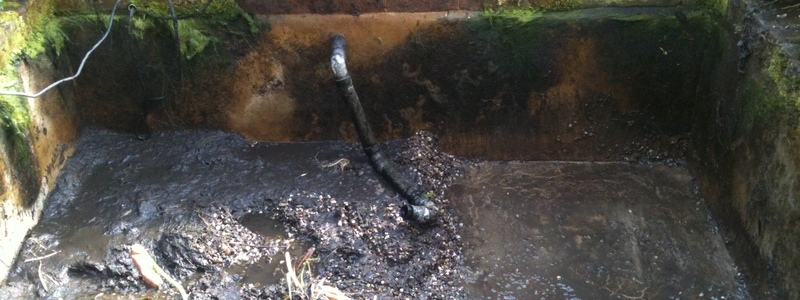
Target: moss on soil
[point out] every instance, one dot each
(199, 24)
(773, 98)
(786, 77)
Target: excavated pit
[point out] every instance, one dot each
(562, 172)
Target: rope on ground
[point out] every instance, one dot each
(80, 68)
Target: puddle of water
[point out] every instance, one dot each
(89, 241)
(267, 270)
(263, 224)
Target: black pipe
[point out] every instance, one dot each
(420, 208)
(143, 107)
(179, 76)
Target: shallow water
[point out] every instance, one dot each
(267, 269)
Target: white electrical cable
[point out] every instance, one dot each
(80, 68)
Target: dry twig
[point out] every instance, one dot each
(641, 296)
(41, 257)
(316, 290)
(41, 278)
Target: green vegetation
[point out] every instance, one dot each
(198, 24)
(519, 33)
(719, 6)
(525, 7)
(786, 77)
(519, 14)
(220, 11)
(34, 33)
(513, 6)
(760, 103)
(14, 117)
(44, 28)
(770, 99)
(194, 38)
(25, 38)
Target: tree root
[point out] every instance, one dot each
(151, 271)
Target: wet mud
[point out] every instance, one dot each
(216, 210)
(579, 230)
(219, 211)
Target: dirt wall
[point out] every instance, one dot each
(597, 84)
(28, 174)
(745, 139)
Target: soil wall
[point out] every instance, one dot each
(745, 156)
(31, 160)
(595, 84)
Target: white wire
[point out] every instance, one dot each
(80, 68)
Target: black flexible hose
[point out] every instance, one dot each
(420, 208)
(177, 40)
(143, 107)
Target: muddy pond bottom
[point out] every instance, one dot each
(580, 230)
(219, 213)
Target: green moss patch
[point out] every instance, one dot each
(786, 77)
(14, 115)
(199, 25)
